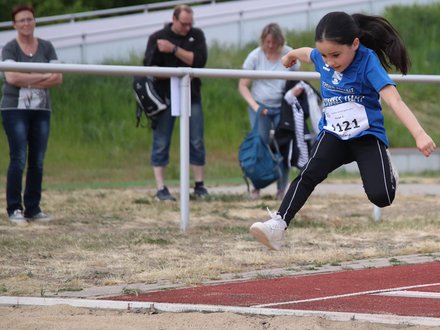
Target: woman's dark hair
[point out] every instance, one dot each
(19, 8)
(374, 32)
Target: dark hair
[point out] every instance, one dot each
(19, 8)
(374, 32)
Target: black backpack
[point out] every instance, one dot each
(148, 100)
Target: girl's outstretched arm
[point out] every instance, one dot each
(301, 54)
(423, 141)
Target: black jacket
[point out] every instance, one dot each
(194, 41)
(286, 134)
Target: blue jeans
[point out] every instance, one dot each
(28, 133)
(265, 124)
(160, 154)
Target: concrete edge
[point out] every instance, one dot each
(152, 307)
(117, 290)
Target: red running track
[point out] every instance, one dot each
(360, 291)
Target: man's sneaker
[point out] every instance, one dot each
(200, 192)
(270, 232)
(40, 217)
(17, 218)
(164, 195)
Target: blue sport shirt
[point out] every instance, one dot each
(360, 82)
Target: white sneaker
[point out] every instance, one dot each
(17, 218)
(270, 232)
(41, 217)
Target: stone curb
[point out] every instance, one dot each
(115, 290)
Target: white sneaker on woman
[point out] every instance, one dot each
(41, 217)
(270, 232)
(17, 218)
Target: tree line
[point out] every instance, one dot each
(60, 7)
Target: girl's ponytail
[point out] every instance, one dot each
(379, 35)
(374, 32)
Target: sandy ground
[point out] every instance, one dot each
(66, 317)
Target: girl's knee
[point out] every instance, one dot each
(381, 199)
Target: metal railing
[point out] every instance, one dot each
(184, 75)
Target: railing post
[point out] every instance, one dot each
(240, 29)
(309, 14)
(83, 48)
(185, 112)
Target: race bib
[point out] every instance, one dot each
(346, 120)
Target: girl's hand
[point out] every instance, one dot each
(289, 60)
(425, 144)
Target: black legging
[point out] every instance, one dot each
(329, 153)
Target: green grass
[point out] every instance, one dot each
(94, 139)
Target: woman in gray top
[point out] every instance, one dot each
(26, 110)
(268, 93)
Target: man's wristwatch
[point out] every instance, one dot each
(174, 50)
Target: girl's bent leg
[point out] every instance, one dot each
(375, 167)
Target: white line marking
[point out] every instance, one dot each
(411, 294)
(182, 308)
(346, 295)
